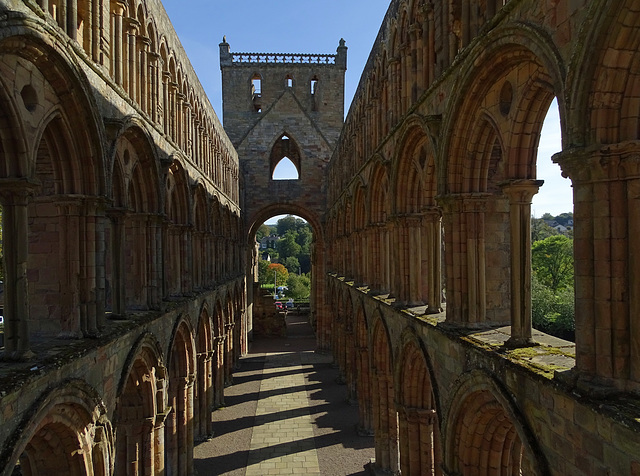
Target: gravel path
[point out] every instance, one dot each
(340, 451)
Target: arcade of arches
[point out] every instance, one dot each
(127, 297)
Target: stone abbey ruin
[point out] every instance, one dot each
(129, 217)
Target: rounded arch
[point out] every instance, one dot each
(14, 158)
(41, 51)
(529, 60)
(385, 417)
(181, 348)
(178, 428)
(141, 397)
(414, 175)
(177, 197)
(274, 209)
(134, 152)
(604, 85)
(482, 426)
(65, 426)
(418, 409)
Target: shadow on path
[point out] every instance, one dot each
(340, 450)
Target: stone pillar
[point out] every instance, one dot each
(72, 19)
(432, 259)
(118, 244)
(69, 223)
(145, 82)
(101, 257)
(465, 252)
(89, 263)
(132, 57)
(220, 361)
(94, 6)
(159, 445)
(154, 68)
(147, 456)
(15, 229)
(414, 258)
(154, 252)
(606, 191)
(118, 35)
(520, 193)
(164, 108)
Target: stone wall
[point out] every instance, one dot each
(428, 239)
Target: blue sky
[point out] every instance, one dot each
(303, 26)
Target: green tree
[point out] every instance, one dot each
(287, 246)
(292, 264)
(540, 230)
(263, 272)
(553, 313)
(305, 237)
(299, 287)
(263, 230)
(552, 261)
(289, 222)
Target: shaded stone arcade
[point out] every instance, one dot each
(129, 217)
(286, 413)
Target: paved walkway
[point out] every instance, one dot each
(285, 414)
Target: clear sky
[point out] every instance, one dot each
(303, 26)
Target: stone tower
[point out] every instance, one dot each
(279, 106)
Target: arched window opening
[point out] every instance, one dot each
(285, 163)
(285, 170)
(314, 93)
(289, 81)
(552, 224)
(283, 261)
(256, 92)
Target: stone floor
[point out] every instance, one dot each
(285, 414)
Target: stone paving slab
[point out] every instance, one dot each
(284, 445)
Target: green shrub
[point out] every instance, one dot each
(552, 313)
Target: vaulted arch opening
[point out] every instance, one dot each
(285, 159)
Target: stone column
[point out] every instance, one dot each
(465, 251)
(414, 257)
(606, 190)
(118, 241)
(520, 193)
(101, 257)
(72, 19)
(432, 259)
(363, 391)
(89, 267)
(95, 30)
(145, 83)
(132, 66)
(154, 67)
(165, 108)
(69, 209)
(155, 248)
(15, 229)
(118, 35)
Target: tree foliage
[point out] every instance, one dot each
(288, 247)
(553, 313)
(279, 272)
(292, 264)
(263, 272)
(299, 286)
(552, 261)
